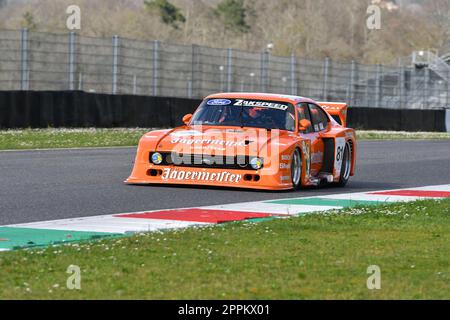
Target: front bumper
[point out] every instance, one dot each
(264, 179)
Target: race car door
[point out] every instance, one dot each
(319, 122)
(311, 135)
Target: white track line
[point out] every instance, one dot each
(109, 224)
(113, 224)
(272, 208)
(445, 187)
(372, 197)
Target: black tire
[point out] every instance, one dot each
(296, 169)
(346, 166)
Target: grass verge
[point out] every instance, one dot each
(125, 137)
(401, 135)
(322, 256)
(69, 138)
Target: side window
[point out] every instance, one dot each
(303, 113)
(319, 118)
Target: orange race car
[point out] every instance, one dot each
(251, 140)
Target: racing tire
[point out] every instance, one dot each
(296, 169)
(346, 166)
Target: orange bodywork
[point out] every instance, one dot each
(336, 109)
(206, 145)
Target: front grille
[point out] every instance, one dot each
(205, 161)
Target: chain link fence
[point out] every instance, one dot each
(45, 61)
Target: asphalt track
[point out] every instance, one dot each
(58, 184)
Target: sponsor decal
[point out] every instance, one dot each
(285, 178)
(349, 135)
(186, 133)
(285, 157)
(219, 102)
(262, 104)
(307, 156)
(212, 148)
(339, 155)
(226, 177)
(331, 107)
(284, 166)
(209, 142)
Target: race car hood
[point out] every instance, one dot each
(220, 141)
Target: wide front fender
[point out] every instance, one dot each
(148, 143)
(282, 158)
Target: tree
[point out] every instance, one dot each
(233, 14)
(308, 28)
(170, 14)
(28, 21)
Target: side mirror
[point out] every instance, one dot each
(304, 125)
(187, 118)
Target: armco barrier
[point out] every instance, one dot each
(447, 119)
(397, 119)
(42, 109)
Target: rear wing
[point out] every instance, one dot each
(337, 109)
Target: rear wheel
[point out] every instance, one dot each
(296, 169)
(346, 166)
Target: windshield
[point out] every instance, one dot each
(246, 113)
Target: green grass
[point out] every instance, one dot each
(123, 137)
(69, 138)
(401, 135)
(310, 257)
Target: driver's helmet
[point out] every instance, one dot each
(254, 112)
(223, 114)
(314, 112)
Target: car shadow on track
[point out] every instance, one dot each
(352, 186)
(193, 187)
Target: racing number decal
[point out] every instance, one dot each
(339, 155)
(307, 156)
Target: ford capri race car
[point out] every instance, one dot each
(251, 140)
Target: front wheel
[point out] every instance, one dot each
(346, 166)
(296, 169)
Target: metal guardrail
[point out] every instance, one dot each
(47, 61)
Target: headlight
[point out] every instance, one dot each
(157, 158)
(256, 163)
